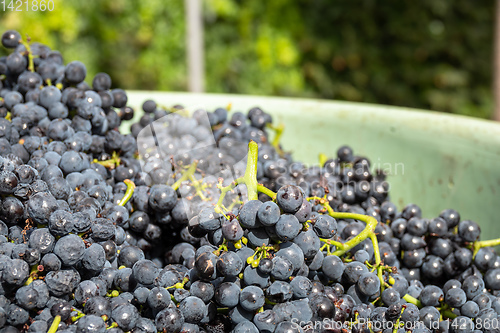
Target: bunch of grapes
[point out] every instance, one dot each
(202, 223)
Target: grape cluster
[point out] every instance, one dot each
(178, 227)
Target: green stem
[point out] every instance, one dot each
(378, 261)
(486, 243)
(186, 175)
(369, 230)
(112, 163)
(262, 189)
(449, 314)
(218, 206)
(31, 64)
(198, 187)
(412, 300)
(396, 327)
(55, 324)
(113, 325)
(250, 177)
(278, 132)
(33, 274)
(338, 245)
(128, 193)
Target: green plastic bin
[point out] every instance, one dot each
(435, 160)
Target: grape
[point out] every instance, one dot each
(289, 198)
(353, 271)
(368, 284)
(101, 81)
(170, 320)
(248, 214)
(429, 315)
(492, 279)
(431, 295)
(229, 264)
(145, 271)
(194, 309)
(390, 296)
(468, 230)
(432, 267)
(10, 39)
(282, 268)
(84, 291)
(451, 216)
(455, 297)
(98, 306)
(265, 321)
(325, 226)
(417, 226)
(473, 286)
(232, 231)
(287, 227)
(203, 290)
(279, 292)
(69, 249)
(227, 294)
(484, 258)
(17, 273)
(16, 63)
(450, 284)
(438, 227)
(75, 72)
(245, 327)
(470, 309)
(147, 325)
(410, 314)
(308, 242)
(483, 301)
(333, 267)
(268, 213)
(125, 316)
(301, 287)
(62, 282)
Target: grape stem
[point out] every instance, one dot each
(486, 243)
(128, 192)
(112, 163)
(249, 179)
(55, 324)
(31, 64)
(33, 274)
(396, 326)
(113, 325)
(186, 175)
(262, 189)
(368, 232)
(449, 314)
(278, 132)
(412, 300)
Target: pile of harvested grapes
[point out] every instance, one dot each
(202, 223)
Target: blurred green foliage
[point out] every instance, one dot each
(433, 54)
